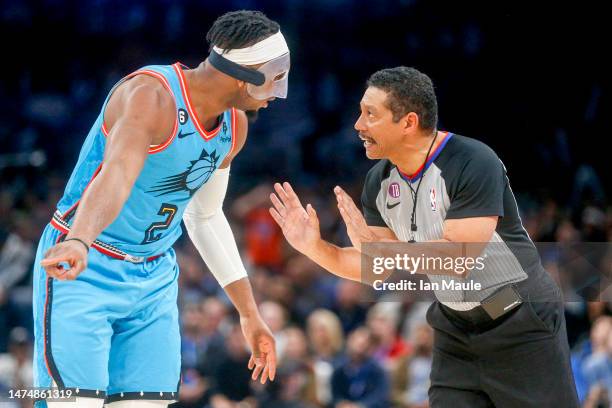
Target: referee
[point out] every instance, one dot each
(502, 346)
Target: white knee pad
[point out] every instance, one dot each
(80, 402)
(138, 404)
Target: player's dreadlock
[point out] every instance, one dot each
(239, 29)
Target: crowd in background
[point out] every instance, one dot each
(334, 348)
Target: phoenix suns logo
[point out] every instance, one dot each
(191, 179)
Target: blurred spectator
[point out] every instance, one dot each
(389, 347)
(419, 367)
(348, 304)
(200, 333)
(597, 367)
(16, 366)
(327, 340)
(295, 384)
(263, 239)
(359, 381)
(225, 372)
(16, 257)
(313, 287)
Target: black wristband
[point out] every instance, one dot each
(79, 240)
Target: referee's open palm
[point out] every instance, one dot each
(300, 225)
(356, 226)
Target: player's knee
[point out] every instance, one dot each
(79, 402)
(138, 404)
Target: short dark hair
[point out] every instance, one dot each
(239, 29)
(408, 90)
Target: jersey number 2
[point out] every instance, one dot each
(153, 233)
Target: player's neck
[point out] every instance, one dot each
(207, 98)
(411, 155)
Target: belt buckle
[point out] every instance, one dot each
(502, 301)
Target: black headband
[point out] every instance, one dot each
(236, 70)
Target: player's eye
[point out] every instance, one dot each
(280, 76)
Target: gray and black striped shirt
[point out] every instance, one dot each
(463, 178)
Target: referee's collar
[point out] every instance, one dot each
(417, 175)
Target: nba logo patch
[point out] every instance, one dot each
(432, 199)
(394, 190)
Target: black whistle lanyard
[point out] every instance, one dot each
(415, 193)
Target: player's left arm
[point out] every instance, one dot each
(211, 234)
(206, 223)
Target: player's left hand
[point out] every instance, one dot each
(263, 348)
(356, 226)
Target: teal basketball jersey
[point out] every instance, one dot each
(149, 222)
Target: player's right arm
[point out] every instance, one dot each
(301, 229)
(137, 115)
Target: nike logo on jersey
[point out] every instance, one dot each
(390, 206)
(182, 135)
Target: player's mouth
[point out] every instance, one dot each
(367, 141)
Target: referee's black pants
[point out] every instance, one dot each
(519, 360)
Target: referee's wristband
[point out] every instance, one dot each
(79, 240)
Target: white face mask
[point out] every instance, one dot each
(276, 85)
(268, 81)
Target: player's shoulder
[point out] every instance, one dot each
(143, 98)
(141, 91)
(145, 86)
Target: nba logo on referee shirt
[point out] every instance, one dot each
(394, 190)
(432, 199)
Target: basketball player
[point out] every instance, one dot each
(105, 278)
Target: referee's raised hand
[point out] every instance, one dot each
(299, 225)
(356, 226)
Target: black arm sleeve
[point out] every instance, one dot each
(370, 191)
(478, 190)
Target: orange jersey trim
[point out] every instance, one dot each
(154, 148)
(185, 91)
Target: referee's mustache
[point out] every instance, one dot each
(363, 136)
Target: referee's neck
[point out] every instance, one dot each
(410, 155)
